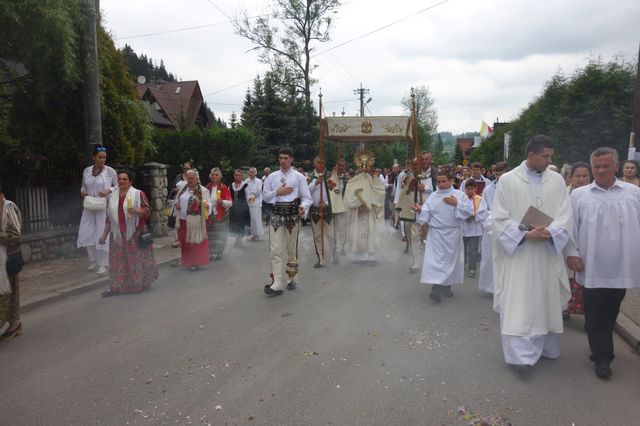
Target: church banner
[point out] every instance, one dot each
(364, 129)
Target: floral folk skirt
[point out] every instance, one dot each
(131, 269)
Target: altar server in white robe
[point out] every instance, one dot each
(607, 234)
(531, 284)
(445, 211)
(485, 282)
(254, 198)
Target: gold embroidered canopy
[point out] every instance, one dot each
(367, 129)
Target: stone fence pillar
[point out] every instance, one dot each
(154, 184)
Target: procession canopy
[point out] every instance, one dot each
(369, 129)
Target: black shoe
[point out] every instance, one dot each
(271, 292)
(108, 293)
(435, 296)
(446, 290)
(523, 370)
(318, 265)
(603, 370)
(291, 285)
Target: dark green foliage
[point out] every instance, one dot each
(216, 147)
(589, 109)
(41, 98)
(278, 119)
(141, 65)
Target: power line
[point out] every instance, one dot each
(382, 27)
(220, 10)
(172, 31)
(177, 30)
(227, 88)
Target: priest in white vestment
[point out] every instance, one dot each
(445, 211)
(485, 282)
(607, 235)
(531, 284)
(364, 201)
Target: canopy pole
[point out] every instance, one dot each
(322, 184)
(414, 125)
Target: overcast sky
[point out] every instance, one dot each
(481, 59)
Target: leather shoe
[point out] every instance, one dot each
(436, 297)
(271, 292)
(603, 370)
(446, 290)
(292, 285)
(8, 335)
(318, 265)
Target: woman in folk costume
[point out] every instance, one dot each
(254, 197)
(193, 210)
(98, 180)
(239, 214)
(132, 268)
(10, 221)
(218, 222)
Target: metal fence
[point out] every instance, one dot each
(49, 198)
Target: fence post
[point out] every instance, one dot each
(154, 184)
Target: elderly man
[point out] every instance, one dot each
(531, 283)
(321, 213)
(426, 186)
(607, 235)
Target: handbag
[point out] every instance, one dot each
(171, 222)
(145, 240)
(94, 204)
(14, 262)
(575, 305)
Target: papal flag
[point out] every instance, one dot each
(485, 130)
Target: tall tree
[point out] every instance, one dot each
(425, 108)
(285, 39)
(426, 114)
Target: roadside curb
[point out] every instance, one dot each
(629, 331)
(39, 302)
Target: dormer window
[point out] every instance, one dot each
(178, 90)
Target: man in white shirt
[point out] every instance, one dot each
(287, 190)
(531, 283)
(607, 234)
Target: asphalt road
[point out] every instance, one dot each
(352, 345)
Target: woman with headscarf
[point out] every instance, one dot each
(239, 217)
(10, 221)
(133, 267)
(218, 222)
(193, 209)
(98, 182)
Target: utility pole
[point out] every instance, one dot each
(635, 118)
(362, 91)
(92, 112)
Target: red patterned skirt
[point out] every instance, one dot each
(131, 269)
(192, 254)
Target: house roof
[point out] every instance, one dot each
(176, 99)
